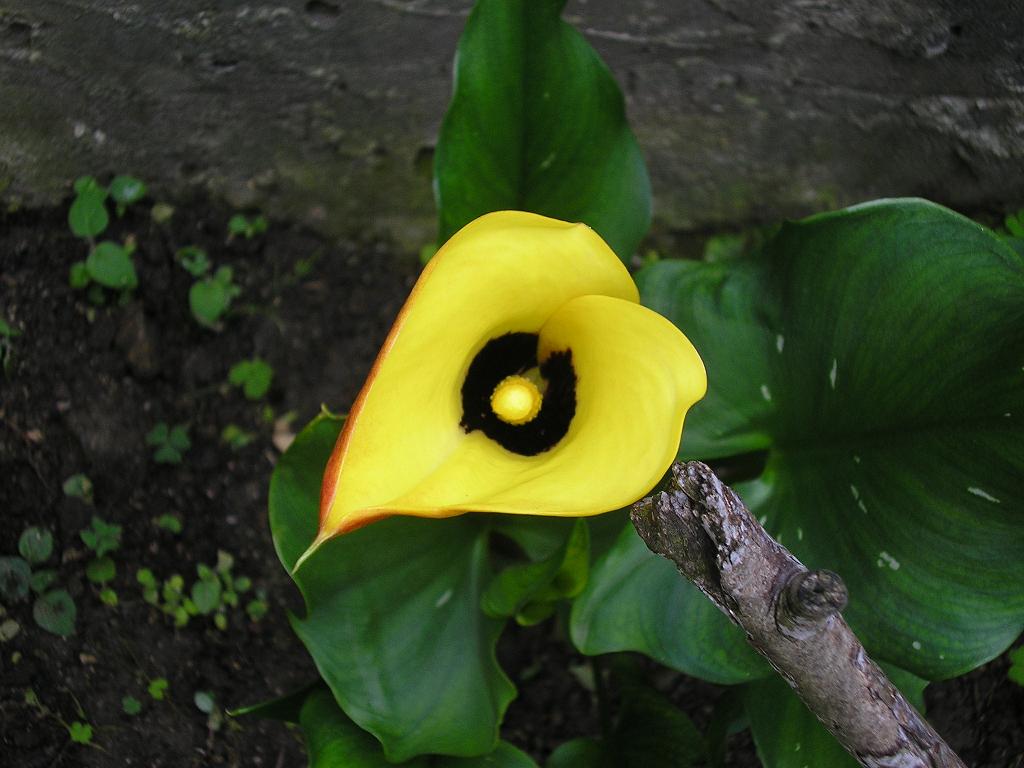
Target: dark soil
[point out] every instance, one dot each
(85, 383)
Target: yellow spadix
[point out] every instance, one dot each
(521, 376)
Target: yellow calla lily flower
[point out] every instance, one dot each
(521, 376)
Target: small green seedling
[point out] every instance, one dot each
(88, 216)
(241, 225)
(235, 437)
(101, 537)
(211, 297)
(214, 593)
(79, 486)
(161, 213)
(53, 610)
(157, 688)
(9, 628)
(169, 523)
(126, 190)
(253, 376)
(207, 704)
(194, 260)
(130, 705)
(81, 733)
(36, 545)
(170, 442)
(1014, 224)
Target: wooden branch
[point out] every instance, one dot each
(791, 616)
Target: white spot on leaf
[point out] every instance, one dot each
(832, 374)
(780, 342)
(885, 557)
(854, 491)
(862, 505)
(444, 598)
(916, 645)
(856, 459)
(982, 494)
(799, 534)
(766, 393)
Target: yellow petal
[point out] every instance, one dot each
(637, 375)
(505, 272)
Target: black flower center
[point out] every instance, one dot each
(508, 355)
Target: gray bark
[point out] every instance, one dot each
(791, 617)
(326, 111)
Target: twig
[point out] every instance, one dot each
(791, 617)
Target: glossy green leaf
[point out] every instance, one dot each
(878, 353)
(393, 619)
(787, 735)
(334, 741)
(537, 123)
(637, 601)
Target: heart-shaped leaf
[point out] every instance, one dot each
(537, 123)
(393, 619)
(878, 354)
(637, 601)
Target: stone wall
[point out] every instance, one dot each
(325, 111)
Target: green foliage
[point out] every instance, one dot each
(236, 437)
(15, 576)
(170, 442)
(530, 591)
(101, 537)
(169, 523)
(157, 688)
(253, 376)
(79, 486)
(334, 741)
(1016, 671)
(215, 593)
(101, 570)
(55, 612)
(131, 706)
(110, 264)
(42, 580)
(194, 260)
(241, 225)
(108, 597)
(400, 576)
(845, 369)
(80, 733)
(211, 297)
(537, 123)
(88, 216)
(126, 190)
(36, 545)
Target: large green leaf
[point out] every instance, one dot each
(637, 601)
(334, 741)
(537, 123)
(787, 735)
(877, 353)
(393, 619)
